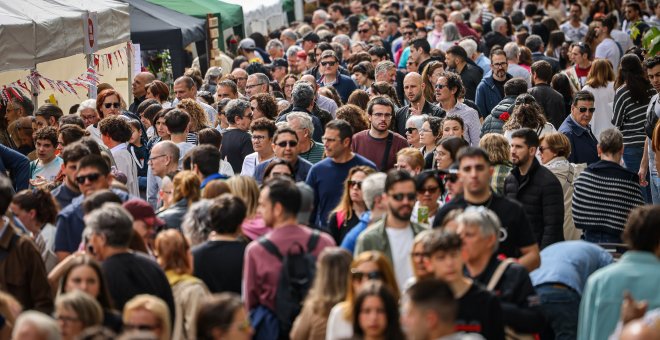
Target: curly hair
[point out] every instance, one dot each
(355, 116)
(198, 117)
(526, 115)
(359, 98)
(48, 133)
(186, 185)
(116, 127)
(266, 104)
(497, 147)
(385, 89)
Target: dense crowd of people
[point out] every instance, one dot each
(381, 170)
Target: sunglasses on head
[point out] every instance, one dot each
(109, 105)
(584, 109)
(411, 196)
(359, 276)
(91, 177)
(291, 143)
(328, 63)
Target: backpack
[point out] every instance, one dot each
(296, 276)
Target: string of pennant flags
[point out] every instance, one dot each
(112, 59)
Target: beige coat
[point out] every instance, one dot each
(567, 173)
(189, 292)
(309, 325)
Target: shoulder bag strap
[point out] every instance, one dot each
(270, 247)
(313, 241)
(498, 274)
(386, 155)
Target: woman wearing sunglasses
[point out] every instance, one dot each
(429, 189)
(368, 266)
(351, 206)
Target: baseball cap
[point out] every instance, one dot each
(278, 62)
(311, 36)
(247, 44)
(142, 211)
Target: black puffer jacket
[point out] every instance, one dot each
(542, 197)
(493, 123)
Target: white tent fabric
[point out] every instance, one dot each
(261, 16)
(37, 31)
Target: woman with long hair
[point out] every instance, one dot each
(554, 150)
(355, 116)
(450, 36)
(287, 85)
(186, 191)
(562, 84)
(247, 189)
(446, 151)
(430, 75)
(376, 314)
(600, 82)
(328, 289)
(631, 99)
(37, 211)
(499, 156)
(367, 266)
(555, 41)
(174, 256)
(527, 114)
(382, 88)
(359, 98)
(198, 118)
(351, 205)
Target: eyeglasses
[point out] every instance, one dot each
(109, 105)
(359, 276)
(258, 138)
(410, 130)
(354, 183)
(91, 177)
(410, 63)
(500, 65)
(419, 254)
(363, 31)
(291, 143)
(328, 63)
(411, 196)
(430, 190)
(381, 115)
(584, 109)
(543, 148)
(139, 327)
(156, 157)
(249, 87)
(440, 86)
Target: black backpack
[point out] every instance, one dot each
(296, 276)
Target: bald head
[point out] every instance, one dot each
(310, 79)
(413, 88)
(164, 158)
(139, 81)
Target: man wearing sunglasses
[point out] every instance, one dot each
(93, 175)
(394, 234)
(285, 144)
(578, 130)
(331, 75)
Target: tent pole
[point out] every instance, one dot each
(130, 67)
(91, 91)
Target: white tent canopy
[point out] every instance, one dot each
(261, 16)
(37, 31)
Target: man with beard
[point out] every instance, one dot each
(413, 87)
(378, 144)
(394, 234)
(574, 29)
(536, 188)
(491, 89)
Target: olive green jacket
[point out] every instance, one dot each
(375, 238)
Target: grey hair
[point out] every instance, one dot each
(456, 16)
(88, 309)
(360, 43)
(534, 43)
(302, 94)
(512, 50)
(86, 104)
(274, 43)
(236, 108)
(197, 223)
(342, 39)
(291, 34)
(470, 47)
(485, 219)
(293, 50)
(113, 222)
(44, 323)
(417, 120)
(450, 30)
(383, 67)
(497, 23)
(213, 73)
(373, 186)
(304, 120)
(610, 141)
(263, 79)
(323, 15)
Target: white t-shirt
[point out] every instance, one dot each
(48, 171)
(184, 148)
(401, 244)
(338, 327)
(608, 49)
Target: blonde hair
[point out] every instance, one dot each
(246, 189)
(198, 117)
(329, 287)
(600, 74)
(154, 305)
(186, 185)
(497, 147)
(87, 309)
(215, 188)
(172, 250)
(415, 157)
(558, 143)
(384, 266)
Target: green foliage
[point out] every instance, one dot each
(651, 41)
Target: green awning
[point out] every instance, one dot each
(229, 15)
